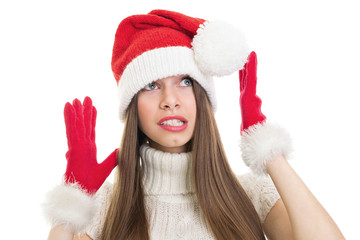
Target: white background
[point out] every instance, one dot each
(54, 51)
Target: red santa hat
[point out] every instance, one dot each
(165, 43)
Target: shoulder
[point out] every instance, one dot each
(103, 198)
(261, 192)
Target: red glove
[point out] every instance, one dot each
(73, 204)
(82, 166)
(260, 140)
(250, 103)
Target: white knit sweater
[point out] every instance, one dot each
(172, 207)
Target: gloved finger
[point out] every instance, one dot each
(69, 117)
(108, 164)
(252, 73)
(94, 114)
(88, 116)
(79, 119)
(243, 77)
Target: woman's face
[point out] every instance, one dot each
(167, 113)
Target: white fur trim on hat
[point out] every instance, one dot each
(220, 48)
(261, 142)
(157, 64)
(69, 205)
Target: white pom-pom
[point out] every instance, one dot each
(219, 48)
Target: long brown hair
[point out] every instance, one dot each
(223, 201)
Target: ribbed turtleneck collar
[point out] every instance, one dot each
(166, 173)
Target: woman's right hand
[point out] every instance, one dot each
(61, 233)
(82, 166)
(70, 206)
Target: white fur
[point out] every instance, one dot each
(220, 48)
(69, 205)
(261, 142)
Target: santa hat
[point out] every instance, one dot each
(165, 43)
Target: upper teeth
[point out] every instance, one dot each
(173, 122)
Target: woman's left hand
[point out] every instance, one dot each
(261, 141)
(250, 103)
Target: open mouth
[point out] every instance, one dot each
(173, 122)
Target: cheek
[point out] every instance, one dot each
(192, 104)
(142, 112)
(145, 111)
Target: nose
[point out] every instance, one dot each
(170, 99)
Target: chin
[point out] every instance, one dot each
(170, 146)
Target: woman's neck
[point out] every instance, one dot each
(166, 173)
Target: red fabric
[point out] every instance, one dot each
(157, 29)
(82, 166)
(250, 103)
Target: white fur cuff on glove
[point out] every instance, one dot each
(69, 205)
(261, 142)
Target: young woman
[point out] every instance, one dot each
(173, 179)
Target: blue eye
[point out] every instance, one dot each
(186, 82)
(151, 86)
